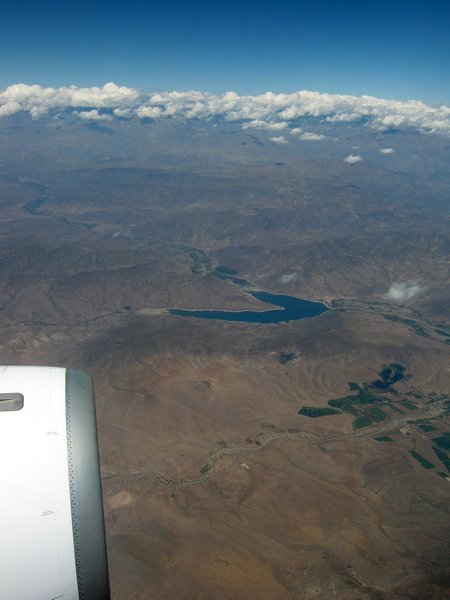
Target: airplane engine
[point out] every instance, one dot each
(52, 536)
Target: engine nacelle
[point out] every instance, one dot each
(52, 535)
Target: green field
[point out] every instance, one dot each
(384, 438)
(407, 404)
(344, 404)
(365, 403)
(369, 417)
(357, 404)
(443, 457)
(364, 396)
(426, 427)
(442, 442)
(423, 461)
(312, 411)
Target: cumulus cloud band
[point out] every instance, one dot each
(269, 111)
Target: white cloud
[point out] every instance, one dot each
(38, 101)
(9, 108)
(344, 117)
(276, 126)
(266, 111)
(311, 137)
(93, 115)
(260, 124)
(387, 150)
(148, 112)
(296, 130)
(288, 278)
(122, 113)
(351, 159)
(399, 292)
(279, 140)
(254, 124)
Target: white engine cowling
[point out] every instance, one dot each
(52, 536)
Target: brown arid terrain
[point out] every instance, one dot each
(215, 486)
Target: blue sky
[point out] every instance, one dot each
(391, 50)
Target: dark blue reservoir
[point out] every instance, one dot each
(294, 309)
